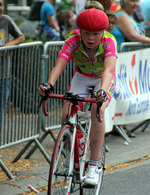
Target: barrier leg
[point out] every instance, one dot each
(27, 146)
(107, 148)
(144, 128)
(35, 147)
(140, 125)
(42, 151)
(122, 133)
(40, 140)
(22, 151)
(9, 175)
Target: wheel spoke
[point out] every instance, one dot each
(59, 169)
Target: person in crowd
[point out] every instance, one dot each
(106, 3)
(138, 15)
(66, 16)
(112, 20)
(114, 7)
(127, 29)
(145, 7)
(94, 4)
(7, 28)
(50, 29)
(79, 6)
(94, 54)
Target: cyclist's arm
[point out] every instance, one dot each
(109, 68)
(57, 70)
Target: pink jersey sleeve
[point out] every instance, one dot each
(109, 47)
(70, 46)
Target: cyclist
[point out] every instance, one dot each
(93, 50)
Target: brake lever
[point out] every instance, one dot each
(47, 92)
(99, 104)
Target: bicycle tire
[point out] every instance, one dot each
(59, 167)
(101, 166)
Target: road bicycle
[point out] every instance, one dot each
(71, 156)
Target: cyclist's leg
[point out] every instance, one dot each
(97, 131)
(96, 139)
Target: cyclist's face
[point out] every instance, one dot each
(91, 39)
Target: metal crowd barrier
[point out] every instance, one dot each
(53, 121)
(51, 51)
(20, 122)
(132, 46)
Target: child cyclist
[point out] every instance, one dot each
(93, 51)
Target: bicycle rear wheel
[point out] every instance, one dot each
(59, 168)
(101, 167)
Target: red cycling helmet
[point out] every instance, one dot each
(92, 20)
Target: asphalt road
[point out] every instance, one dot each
(132, 180)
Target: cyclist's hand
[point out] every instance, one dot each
(44, 89)
(100, 95)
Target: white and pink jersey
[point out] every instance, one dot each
(73, 50)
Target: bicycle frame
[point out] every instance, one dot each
(76, 163)
(86, 132)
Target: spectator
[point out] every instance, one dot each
(66, 16)
(145, 6)
(7, 27)
(127, 29)
(112, 20)
(50, 28)
(115, 6)
(94, 4)
(106, 3)
(138, 15)
(79, 6)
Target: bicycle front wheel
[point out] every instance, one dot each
(59, 168)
